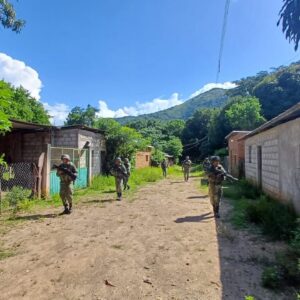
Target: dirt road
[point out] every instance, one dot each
(162, 245)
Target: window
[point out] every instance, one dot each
(93, 157)
(250, 154)
(147, 157)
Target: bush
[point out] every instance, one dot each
(16, 197)
(276, 220)
(272, 277)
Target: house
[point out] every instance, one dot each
(31, 150)
(272, 157)
(236, 151)
(143, 158)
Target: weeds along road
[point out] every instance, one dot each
(162, 245)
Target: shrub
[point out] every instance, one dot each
(272, 277)
(16, 196)
(276, 220)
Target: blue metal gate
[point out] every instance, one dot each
(79, 157)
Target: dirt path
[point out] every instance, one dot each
(163, 245)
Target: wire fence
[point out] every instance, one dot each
(18, 174)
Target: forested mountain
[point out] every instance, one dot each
(211, 99)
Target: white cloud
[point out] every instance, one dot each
(155, 105)
(209, 86)
(58, 112)
(17, 73)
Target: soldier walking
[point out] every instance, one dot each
(216, 175)
(186, 167)
(64, 172)
(164, 166)
(119, 172)
(127, 166)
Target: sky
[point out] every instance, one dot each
(128, 57)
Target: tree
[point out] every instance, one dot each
(21, 105)
(289, 17)
(244, 113)
(174, 147)
(8, 17)
(121, 140)
(81, 116)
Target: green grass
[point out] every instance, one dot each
(275, 220)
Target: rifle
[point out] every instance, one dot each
(66, 171)
(225, 174)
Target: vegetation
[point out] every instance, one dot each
(290, 19)
(8, 17)
(81, 116)
(17, 103)
(275, 220)
(211, 99)
(17, 198)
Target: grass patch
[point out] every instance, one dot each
(5, 254)
(277, 221)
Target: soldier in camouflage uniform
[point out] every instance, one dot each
(186, 167)
(216, 175)
(127, 166)
(164, 166)
(66, 183)
(119, 172)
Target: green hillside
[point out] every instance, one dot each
(210, 99)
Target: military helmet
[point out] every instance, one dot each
(118, 159)
(215, 158)
(126, 160)
(65, 156)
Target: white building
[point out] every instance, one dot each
(272, 157)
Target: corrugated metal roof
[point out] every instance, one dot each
(234, 132)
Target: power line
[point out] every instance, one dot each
(224, 27)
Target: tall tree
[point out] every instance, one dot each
(81, 116)
(290, 20)
(8, 16)
(245, 113)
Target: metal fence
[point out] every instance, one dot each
(19, 174)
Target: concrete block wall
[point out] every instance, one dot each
(33, 144)
(67, 138)
(280, 161)
(97, 145)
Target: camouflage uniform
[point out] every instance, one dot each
(215, 179)
(119, 172)
(186, 167)
(127, 166)
(164, 167)
(66, 185)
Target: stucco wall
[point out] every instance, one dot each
(141, 160)
(280, 161)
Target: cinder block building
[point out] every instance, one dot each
(31, 150)
(236, 153)
(272, 157)
(143, 158)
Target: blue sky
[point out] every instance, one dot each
(136, 55)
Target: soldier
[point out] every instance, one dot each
(186, 167)
(127, 166)
(119, 172)
(216, 175)
(164, 166)
(64, 172)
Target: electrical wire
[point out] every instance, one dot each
(224, 27)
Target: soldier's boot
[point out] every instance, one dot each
(125, 187)
(66, 210)
(128, 187)
(119, 198)
(70, 208)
